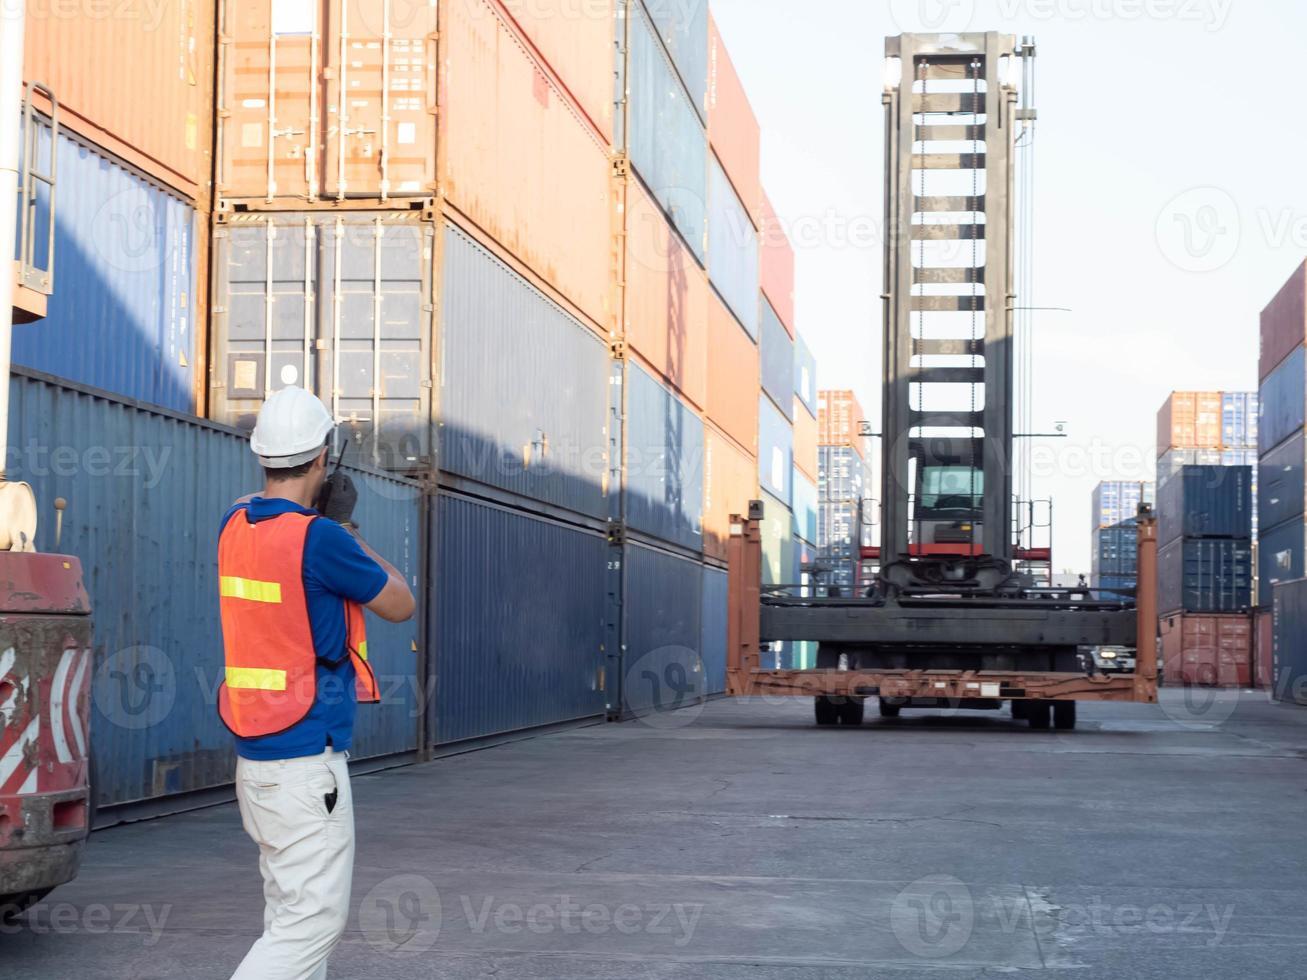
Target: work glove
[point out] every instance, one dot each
(338, 498)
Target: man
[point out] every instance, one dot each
(293, 583)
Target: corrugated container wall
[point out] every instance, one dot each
(1280, 556)
(733, 129)
(1211, 575)
(498, 669)
(667, 143)
(805, 441)
(122, 315)
(775, 451)
(579, 43)
(1206, 502)
(714, 625)
(733, 368)
(1282, 401)
(664, 629)
(777, 542)
(333, 101)
(683, 27)
(838, 415)
(805, 375)
(732, 250)
(145, 504)
(135, 77)
(1284, 323)
(339, 303)
(519, 159)
(1239, 420)
(777, 266)
(1281, 475)
(1289, 657)
(667, 299)
(777, 361)
(1116, 552)
(1213, 651)
(1189, 420)
(805, 508)
(1170, 463)
(842, 473)
(664, 463)
(730, 482)
(1264, 645)
(1114, 501)
(524, 385)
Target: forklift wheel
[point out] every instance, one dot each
(851, 711)
(1039, 714)
(1064, 715)
(1019, 710)
(888, 710)
(828, 713)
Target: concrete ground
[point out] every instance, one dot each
(743, 843)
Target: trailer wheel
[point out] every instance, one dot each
(1019, 710)
(826, 710)
(1064, 715)
(888, 709)
(851, 711)
(1039, 714)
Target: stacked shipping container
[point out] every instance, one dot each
(843, 485)
(1113, 551)
(1208, 428)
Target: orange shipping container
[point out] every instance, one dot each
(733, 376)
(732, 127)
(805, 440)
(838, 416)
(1263, 646)
(578, 43)
(519, 160)
(136, 79)
(1189, 420)
(777, 266)
(326, 101)
(730, 482)
(666, 298)
(1213, 651)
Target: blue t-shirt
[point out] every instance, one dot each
(336, 568)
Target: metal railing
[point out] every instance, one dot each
(31, 179)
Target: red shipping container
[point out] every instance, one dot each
(733, 129)
(838, 416)
(1284, 323)
(1189, 420)
(1264, 645)
(1207, 650)
(777, 266)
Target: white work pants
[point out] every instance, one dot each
(306, 856)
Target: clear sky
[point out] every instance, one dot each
(1170, 199)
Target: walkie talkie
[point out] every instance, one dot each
(324, 495)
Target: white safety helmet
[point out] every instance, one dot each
(293, 427)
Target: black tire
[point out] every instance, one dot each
(1039, 714)
(1019, 710)
(826, 711)
(1064, 715)
(851, 711)
(888, 710)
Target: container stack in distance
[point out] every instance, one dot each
(843, 486)
(1113, 551)
(1208, 428)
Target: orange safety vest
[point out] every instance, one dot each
(271, 677)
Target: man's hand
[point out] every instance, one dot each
(338, 498)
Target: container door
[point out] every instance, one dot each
(271, 98)
(381, 112)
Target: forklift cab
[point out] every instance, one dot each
(949, 501)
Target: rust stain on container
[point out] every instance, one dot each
(1284, 322)
(805, 440)
(1212, 651)
(1189, 420)
(142, 79)
(577, 42)
(730, 482)
(733, 129)
(733, 376)
(533, 176)
(333, 101)
(667, 298)
(777, 266)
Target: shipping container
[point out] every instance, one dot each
(775, 451)
(683, 28)
(1264, 647)
(1115, 552)
(730, 482)
(1205, 575)
(837, 528)
(1120, 586)
(777, 541)
(337, 303)
(137, 78)
(1206, 502)
(1279, 556)
(842, 474)
(519, 160)
(733, 371)
(524, 386)
(1280, 476)
(1284, 323)
(714, 625)
(1172, 462)
(1289, 658)
(667, 298)
(1211, 651)
(122, 314)
(664, 463)
(1239, 420)
(805, 375)
(777, 266)
(1189, 420)
(663, 667)
(805, 440)
(1282, 402)
(805, 508)
(146, 491)
(1115, 501)
(578, 41)
(519, 622)
(733, 251)
(733, 131)
(838, 417)
(666, 141)
(777, 361)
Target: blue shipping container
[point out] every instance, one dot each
(663, 667)
(519, 622)
(664, 463)
(1114, 501)
(805, 375)
(1205, 575)
(805, 508)
(122, 316)
(524, 386)
(713, 643)
(683, 27)
(1239, 420)
(1206, 502)
(732, 250)
(841, 474)
(775, 451)
(776, 350)
(667, 143)
(1280, 475)
(1279, 556)
(1282, 402)
(1289, 652)
(146, 491)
